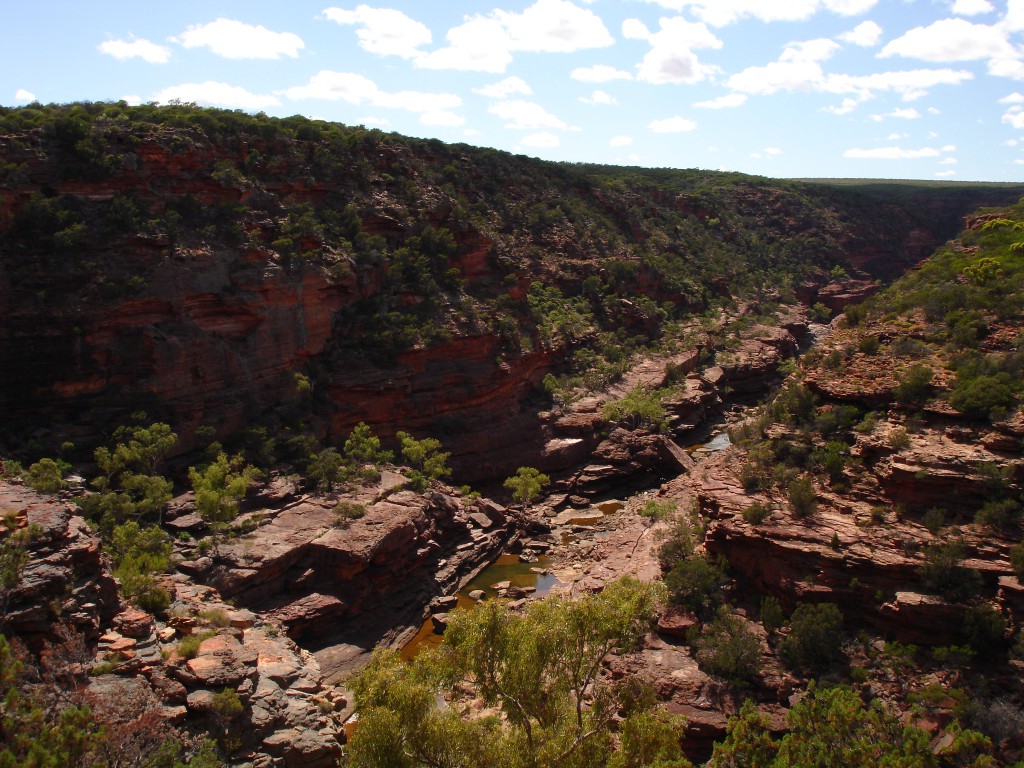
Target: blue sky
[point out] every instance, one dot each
(926, 89)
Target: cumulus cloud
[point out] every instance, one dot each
(728, 101)
(486, 43)
(951, 40)
(357, 89)
(232, 39)
(505, 88)
(972, 7)
(846, 107)
(542, 139)
(672, 125)
(1014, 116)
(21, 95)
(526, 115)
(799, 68)
(1013, 98)
(866, 34)
(599, 73)
(620, 141)
(136, 48)
(892, 153)
(945, 174)
(598, 98)
(900, 114)
(671, 58)
(383, 30)
(214, 94)
(719, 13)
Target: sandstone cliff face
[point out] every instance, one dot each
(64, 575)
(200, 297)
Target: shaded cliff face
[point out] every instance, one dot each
(190, 262)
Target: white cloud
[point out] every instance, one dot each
(911, 84)
(138, 48)
(719, 13)
(671, 58)
(479, 45)
(471, 132)
(945, 174)
(374, 120)
(543, 139)
(132, 100)
(214, 94)
(1015, 117)
(383, 30)
(865, 34)
(847, 106)
(505, 88)
(526, 115)
(899, 114)
(356, 89)
(951, 40)
(1010, 143)
(599, 98)
(620, 141)
(1013, 98)
(772, 151)
(728, 101)
(599, 73)
(486, 43)
(948, 161)
(672, 125)
(442, 118)
(232, 39)
(934, 111)
(891, 153)
(972, 7)
(26, 96)
(896, 136)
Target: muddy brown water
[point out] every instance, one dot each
(505, 568)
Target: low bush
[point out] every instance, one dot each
(757, 512)
(803, 500)
(728, 649)
(815, 637)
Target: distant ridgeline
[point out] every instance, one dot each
(211, 267)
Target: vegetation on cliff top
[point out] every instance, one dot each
(434, 241)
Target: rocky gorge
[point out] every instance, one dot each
(270, 289)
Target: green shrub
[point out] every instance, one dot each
(915, 384)
(641, 408)
(934, 519)
(815, 637)
(984, 628)
(696, 584)
(655, 510)
(985, 397)
(215, 617)
(771, 614)
(728, 649)
(425, 455)
(527, 484)
(869, 345)
(226, 704)
(347, 511)
(899, 439)
(1017, 559)
(1000, 514)
(188, 646)
(757, 512)
(803, 500)
(45, 476)
(943, 571)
